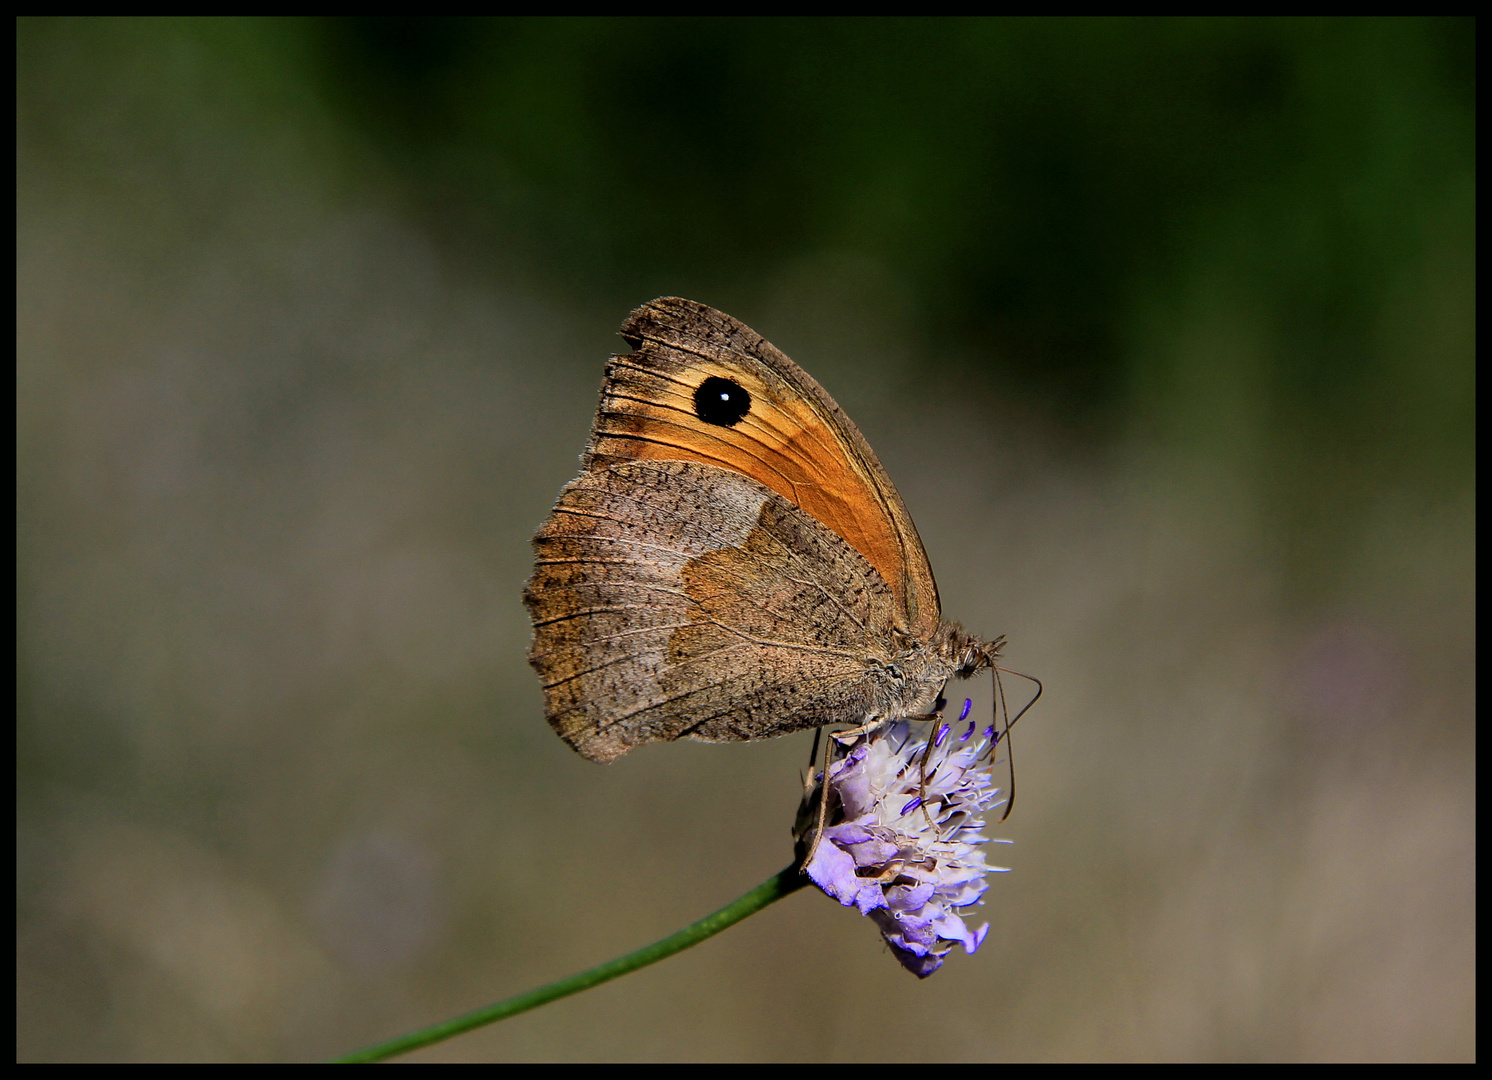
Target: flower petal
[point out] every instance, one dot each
(833, 870)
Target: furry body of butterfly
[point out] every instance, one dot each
(732, 562)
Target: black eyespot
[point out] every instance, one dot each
(721, 401)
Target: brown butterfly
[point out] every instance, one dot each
(732, 562)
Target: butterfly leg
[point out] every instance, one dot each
(837, 737)
(850, 734)
(818, 832)
(818, 733)
(932, 739)
(864, 729)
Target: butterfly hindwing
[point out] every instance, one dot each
(673, 599)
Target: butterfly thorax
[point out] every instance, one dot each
(909, 683)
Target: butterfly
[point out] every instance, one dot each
(732, 563)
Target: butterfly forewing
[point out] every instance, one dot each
(793, 438)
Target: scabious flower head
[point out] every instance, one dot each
(902, 842)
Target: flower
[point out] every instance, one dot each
(902, 843)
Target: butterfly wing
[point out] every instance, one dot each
(794, 438)
(673, 599)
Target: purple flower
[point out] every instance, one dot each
(902, 843)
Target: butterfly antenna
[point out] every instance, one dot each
(998, 707)
(1009, 723)
(1034, 697)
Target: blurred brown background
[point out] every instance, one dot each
(1165, 331)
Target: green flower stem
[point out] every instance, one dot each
(774, 888)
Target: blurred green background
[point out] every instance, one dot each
(1165, 331)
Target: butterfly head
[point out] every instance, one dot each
(965, 653)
